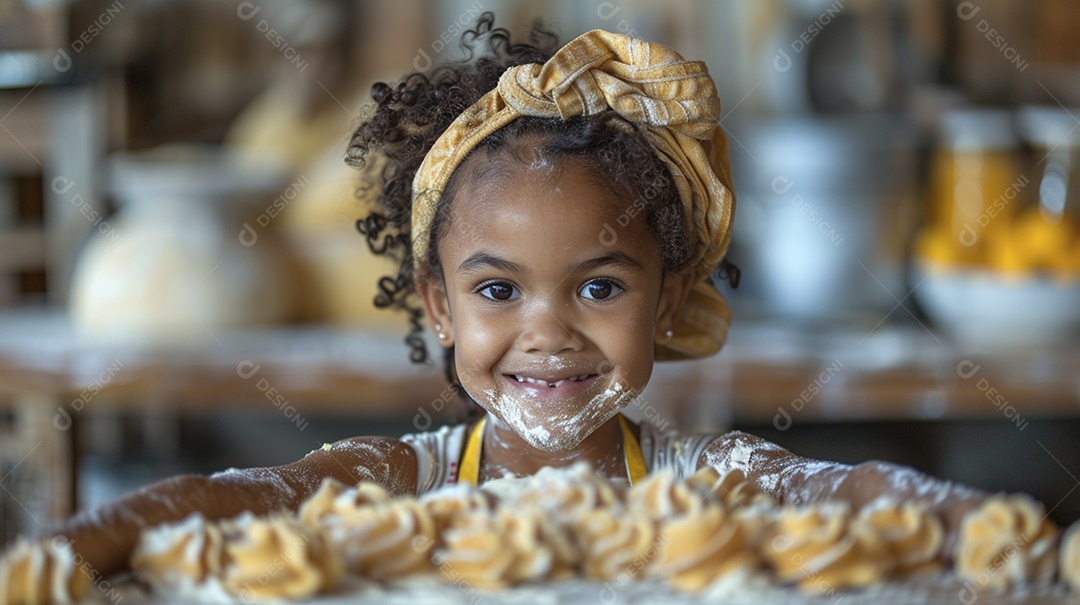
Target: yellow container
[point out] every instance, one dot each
(976, 186)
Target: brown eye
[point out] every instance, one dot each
(500, 291)
(600, 289)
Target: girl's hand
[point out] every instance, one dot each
(792, 479)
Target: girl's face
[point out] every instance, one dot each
(554, 294)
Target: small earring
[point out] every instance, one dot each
(669, 335)
(438, 328)
(442, 336)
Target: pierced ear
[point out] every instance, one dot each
(673, 295)
(437, 306)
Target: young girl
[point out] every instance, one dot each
(558, 217)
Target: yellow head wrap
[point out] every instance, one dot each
(647, 84)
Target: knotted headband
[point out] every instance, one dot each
(649, 85)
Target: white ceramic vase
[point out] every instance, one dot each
(190, 252)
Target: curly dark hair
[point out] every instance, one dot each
(410, 115)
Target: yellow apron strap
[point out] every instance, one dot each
(469, 472)
(635, 462)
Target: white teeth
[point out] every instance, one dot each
(550, 385)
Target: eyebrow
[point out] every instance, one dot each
(482, 260)
(490, 261)
(617, 258)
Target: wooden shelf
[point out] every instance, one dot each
(843, 374)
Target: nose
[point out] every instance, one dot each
(548, 329)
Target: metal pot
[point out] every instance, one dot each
(824, 213)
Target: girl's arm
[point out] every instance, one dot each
(105, 537)
(796, 480)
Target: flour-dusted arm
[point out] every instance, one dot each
(797, 480)
(105, 537)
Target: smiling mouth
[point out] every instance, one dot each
(551, 385)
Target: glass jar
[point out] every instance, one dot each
(976, 183)
(1006, 218)
(1046, 234)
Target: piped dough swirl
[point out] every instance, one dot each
(42, 572)
(449, 505)
(494, 551)
(701, 547)
(613, 543)
(910, 535)
(1006, 541)
(661, 495)
(816, 548)
(378, 537)
(276, 557)
(1070, 557)
(179, 555)
(732, 489)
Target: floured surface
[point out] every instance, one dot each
(743, 590)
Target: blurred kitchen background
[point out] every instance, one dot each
(183, 289)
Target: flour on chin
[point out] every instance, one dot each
(552, 431)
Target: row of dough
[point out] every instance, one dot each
(566, 523)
